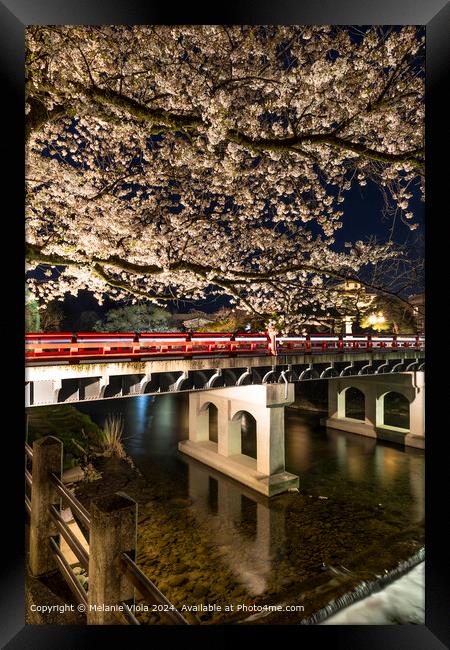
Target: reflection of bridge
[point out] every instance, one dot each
(251, 533)
(244, 374)
(248, 533)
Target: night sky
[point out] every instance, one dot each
(363, 207)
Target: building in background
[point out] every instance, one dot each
(193, 320)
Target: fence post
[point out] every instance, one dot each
(112, 531)
(47, 457)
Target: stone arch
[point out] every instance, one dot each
(343, 397)
(367, 369)
(399, 367)
(309, 373)
(330, 371)
(247, 426)
(207, 420)
(213, 420)
(383, 368)
(355, 403)
(245, 379)
(216, 380)
(393, 409)
(152, 385)
(348, 370)
(204, 404)
(270, 376)
(182, 383)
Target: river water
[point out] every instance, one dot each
(207, 541)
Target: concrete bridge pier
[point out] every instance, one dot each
(374, 389)
(265, 403)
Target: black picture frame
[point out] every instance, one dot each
(15, 15)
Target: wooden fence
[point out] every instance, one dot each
(109, 529)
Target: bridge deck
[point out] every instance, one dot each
(40, 371)
(53, 383)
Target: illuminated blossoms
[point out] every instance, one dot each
(168, 162)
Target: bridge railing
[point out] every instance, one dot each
(102, 542)
(323, 343)
(84, 346)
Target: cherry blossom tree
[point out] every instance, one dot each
(186, 161)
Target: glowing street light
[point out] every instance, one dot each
(376, 319)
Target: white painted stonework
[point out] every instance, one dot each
(409, 384)
(266, 404)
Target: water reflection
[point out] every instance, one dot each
(248, 533)
(152, 425)
(323, 457)
(238, 543)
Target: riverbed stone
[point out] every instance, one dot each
(200, 590)
(176, 581)
(180, 567)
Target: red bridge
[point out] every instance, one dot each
(66, 346)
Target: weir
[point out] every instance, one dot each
(266, 473)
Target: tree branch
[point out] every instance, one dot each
(206, 272)
(161, 119)
(124, 286)
(156, 116)
(40, 115)
(413, 157)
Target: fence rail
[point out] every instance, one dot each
(67, 573)
(150, 592)
(66, 495)
(73, 542)
(112, 574)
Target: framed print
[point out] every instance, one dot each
(228, 322)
